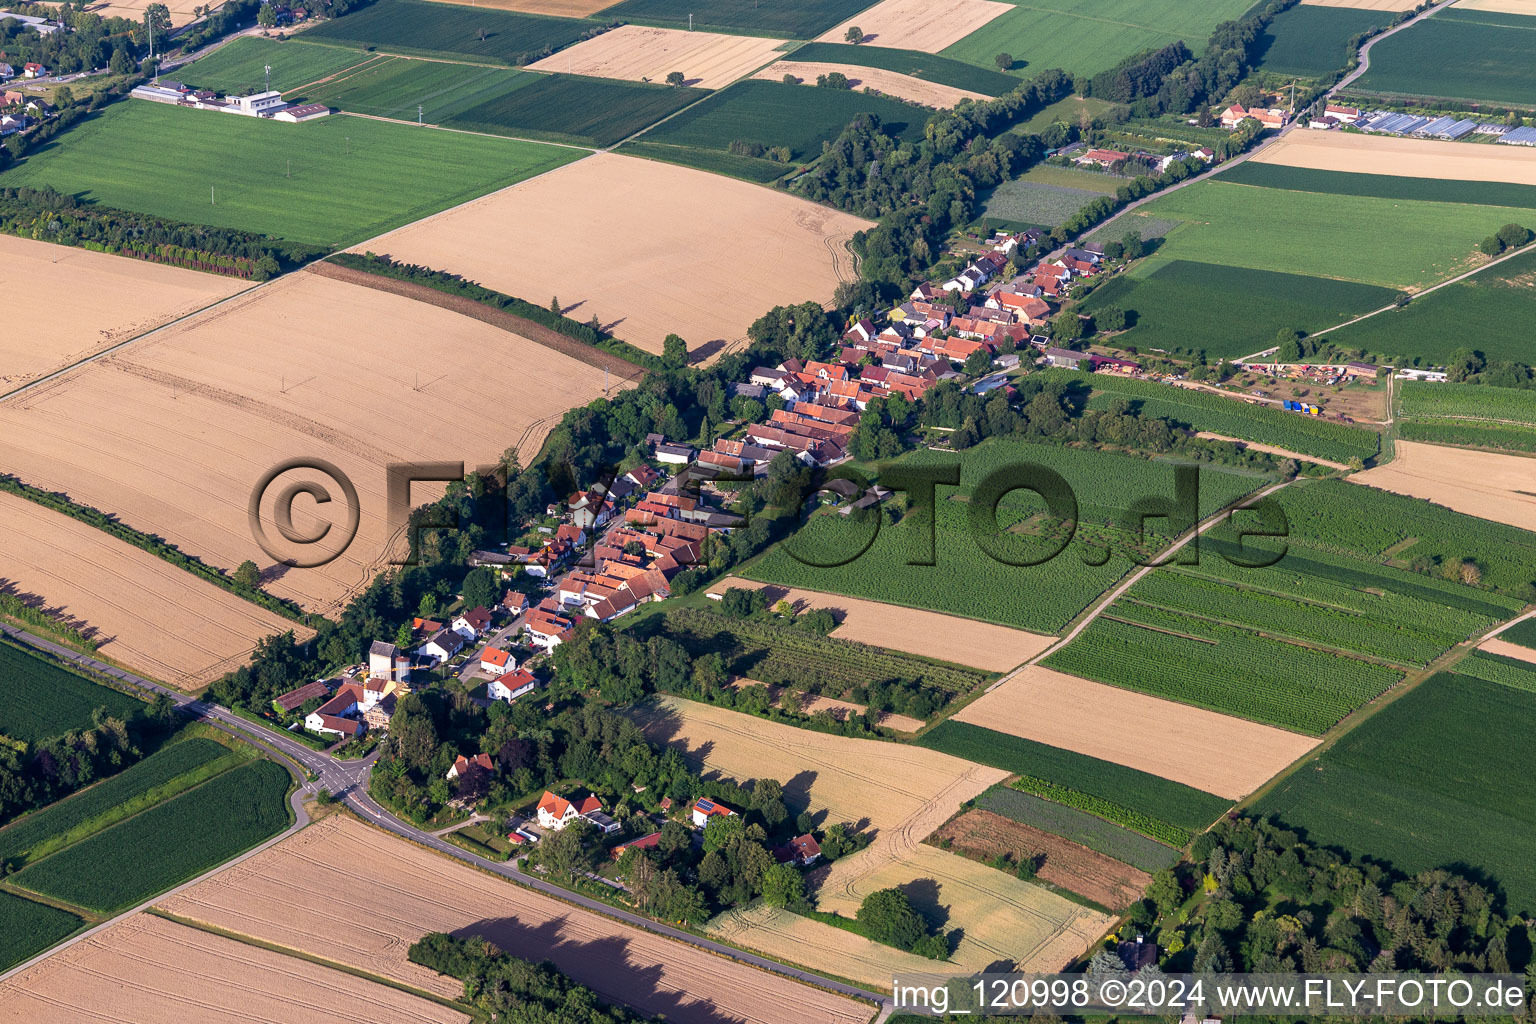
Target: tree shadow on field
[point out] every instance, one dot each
(706, 351)
(608, 966)
(797, 795)
(924, 894)
(39, 603)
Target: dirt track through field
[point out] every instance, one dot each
(143, 612)
(640, 53)
(929, 634)
(147, 970)
(926, 25)
(1161, 737)
(1401, 157)
(1488, 485)
(1284, 453)
(648, 248)
(384, 893)
(905, 87)
(173, 432)
(64, 303)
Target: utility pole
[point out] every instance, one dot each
(419, 116)
(269, 78)
(690, 23)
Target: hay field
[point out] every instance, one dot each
(1003, 918)
(149, 970)
(929, 634)
(269, 896)
(1508, 650)
(1366, 5)
(1488, 485)
(1062, 862)
(1401, 157)
(554, 8)
(1161, 737)
(785, 936)
(665, 231)
(110, 298)
(145, 613)
(926, 25)
(174, 432)
(640, 53)
(891, 83)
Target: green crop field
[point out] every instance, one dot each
(1495, 668)
(1469, 55)
(239, 67)
(1459, 433)
(28, 928)
(396, 86)
(795, 19)
(1383, 186)
(1152, 795)
(443, 30)
(1202, 410)
(801, 117)
(167, 844)
(1490, 312)
(1088, 36)
(40, 701)
(1073, 178)
(1186, 306)
(928, 66)
(1078, 826)
(1468, 401)
(1314, 41)
(1067, 111)
(1041, 597)
(1438, 778)
(1385, 242)
(330, 182)
(573, 108)
(164, 773)
(1030, 204)
(1522, 633)
(748, 168)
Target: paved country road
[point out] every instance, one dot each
(348, 780)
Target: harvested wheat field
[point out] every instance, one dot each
(1086, 872)
(891, 83)
(929, 634)
(1508, 650)
(1366, 5)
(841, 709)
(181, 10)
(149, 970)
(926, 25)
(1499, 6)
(1025, 925)
(1161, 737)
(556, 8)
(1488, 485)
(637, 53)
(785, 936)
(1402, 157)
(110, 299)
(143, 612)
(173, 433)
(270, 896)
(1284, 453)
(664, 230)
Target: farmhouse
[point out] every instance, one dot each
(802, 851)
(1236, 114)
(332, 716)
(556, 812)
(511, 686)
(705, 808)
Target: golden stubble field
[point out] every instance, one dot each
(891, 83)
(926, 25)
(1366, 5)
(638, 53)
(903, 793)
(143, 612)
(359, 896)
(173, 433)
(786, 936)
(64, 303)
(181, 10)
(1401, 157)
(556, 8)
(649, 248)
(1162, 737)
(1489, 485)
(147, 970)
(912, 630)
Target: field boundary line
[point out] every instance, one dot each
(465, 131)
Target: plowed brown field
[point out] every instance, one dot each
(381, 893)
(109, 299)
(143, 612)
(147, 970)
(173, 433)
(649, 248)
(1102, 879)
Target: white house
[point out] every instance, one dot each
(546, 630)
(705, 808)
(464, 765)
(556, 812)
(445, 643)
(332, 716)
(511, 686)
(472, 623)
(497, 661)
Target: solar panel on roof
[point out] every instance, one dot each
(1524, 136)
(1438, 125)
(1460, 129)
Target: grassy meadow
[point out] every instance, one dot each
(930, 67)
(239, 67)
